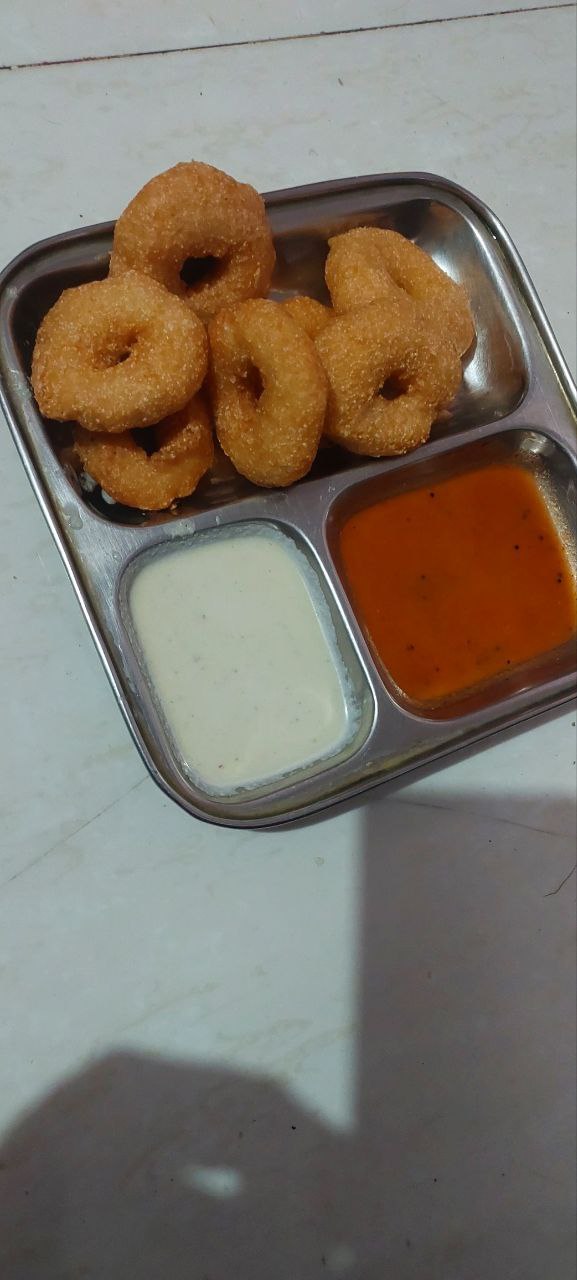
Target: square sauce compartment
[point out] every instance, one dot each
(240, 648)
(461, 572)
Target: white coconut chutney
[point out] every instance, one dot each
(240, 651)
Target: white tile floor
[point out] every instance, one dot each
(394, 981)
(58, 30)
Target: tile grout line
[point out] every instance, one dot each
(284, 39)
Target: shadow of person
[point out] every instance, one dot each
(146, 1169)
(459, 1163)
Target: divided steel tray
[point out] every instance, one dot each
(517, 402)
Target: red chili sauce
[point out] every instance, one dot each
(460, 581)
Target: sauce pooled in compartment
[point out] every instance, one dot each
(238, 642)
(459, 582)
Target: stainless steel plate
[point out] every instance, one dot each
(517, 400)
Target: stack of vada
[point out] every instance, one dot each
(180, 344)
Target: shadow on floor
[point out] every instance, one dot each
(461, 1163)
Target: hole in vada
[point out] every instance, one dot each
(253, 382)
(392, 388)
(117, 350)
(197, 271)
(146, 438)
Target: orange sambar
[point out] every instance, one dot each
(459, 582)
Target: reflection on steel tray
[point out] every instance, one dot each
(517, 401)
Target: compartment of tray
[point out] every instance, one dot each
(156, 731)
(554, 472)
(495, 374)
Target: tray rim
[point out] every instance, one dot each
(286, 196)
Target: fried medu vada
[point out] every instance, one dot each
(117, 354)
(269, 392)
(183, 452)
(312, 316)
(388, 378)
(370, 263)
(203, 235)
